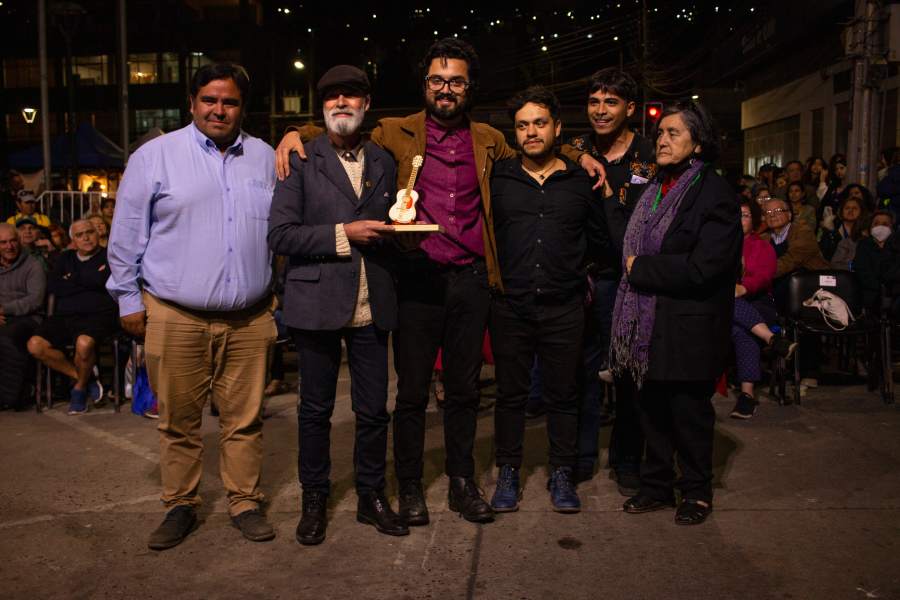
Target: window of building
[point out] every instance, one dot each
(91, 70)
(776, 142)
(166, 119)
(25, 72)
(153, 68)
(818, 131)
(195, 61)
(841, 127)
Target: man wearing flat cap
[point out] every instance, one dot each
(328, 217)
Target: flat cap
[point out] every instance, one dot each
(25, 221)
(343, 76)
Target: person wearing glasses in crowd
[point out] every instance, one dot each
(754, 309)
(443, 285)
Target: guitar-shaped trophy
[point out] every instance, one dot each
(403, 212)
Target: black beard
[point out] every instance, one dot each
(446, 114)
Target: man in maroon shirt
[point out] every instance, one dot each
(443, 286)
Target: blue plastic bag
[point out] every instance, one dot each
(142, 396)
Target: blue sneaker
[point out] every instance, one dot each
(77, 402)
(506, 496)
(562, 491)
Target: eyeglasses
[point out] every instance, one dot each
(775, 211)
(436, 83)
(764, 198)
(746, 215)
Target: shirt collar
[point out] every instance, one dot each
(353, 152)
(779, 238)
(438, 132)
(207, 144)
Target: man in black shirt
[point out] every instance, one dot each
(629, 161)
(547, 221)
(84, 314)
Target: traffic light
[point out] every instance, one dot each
(652, 113)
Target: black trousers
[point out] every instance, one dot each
(626, 441)
(553, 333)
(439, 308)
(319, 357)
(678, 420)
(14, 358)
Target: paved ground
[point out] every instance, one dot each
(807, 506)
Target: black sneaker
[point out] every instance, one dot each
(745, 407)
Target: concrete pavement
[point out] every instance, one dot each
(807, 506)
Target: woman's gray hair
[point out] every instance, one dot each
(700, 123)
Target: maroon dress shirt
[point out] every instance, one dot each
(449, 196)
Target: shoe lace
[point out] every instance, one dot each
(505, 481)
(313, 502)
(562, 478)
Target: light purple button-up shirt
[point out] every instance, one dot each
(190, 223)
(449, 195)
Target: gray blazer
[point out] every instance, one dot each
(321, 287)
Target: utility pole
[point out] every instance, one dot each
(864, 46)
(123, 79)
(45, 92)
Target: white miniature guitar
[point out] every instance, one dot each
(403, 211)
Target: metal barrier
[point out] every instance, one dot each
(65, 206)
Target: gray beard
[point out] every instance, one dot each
(344, 126)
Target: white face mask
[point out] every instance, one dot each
(881, 232)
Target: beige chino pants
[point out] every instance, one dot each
(194, 355)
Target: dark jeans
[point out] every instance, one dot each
(626, 444)
(626, 441)
(14, 359)
(319, 357)
(439, 308)
(678, 420)
(553, 333)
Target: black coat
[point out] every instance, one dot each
(693, 278)
(321, 287)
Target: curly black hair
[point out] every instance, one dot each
(450, 47)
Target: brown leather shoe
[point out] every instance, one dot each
(179, 522)
(253, 525)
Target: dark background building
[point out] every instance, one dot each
(722, 53)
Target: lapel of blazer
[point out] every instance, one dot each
(331, 168)
(690, 197)
(373, 173)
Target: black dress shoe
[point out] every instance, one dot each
(641, 504)
(412, 508)
(692, 512)
(179, 522)
(373, 508)
(466, 499)
(313, 521)
(253, 525)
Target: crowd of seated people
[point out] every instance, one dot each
(813, 218)
(54, 307)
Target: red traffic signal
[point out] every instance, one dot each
(652, 113)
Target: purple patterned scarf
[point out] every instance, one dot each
(635, 311)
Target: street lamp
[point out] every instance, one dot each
(298, 64)
(29, 114)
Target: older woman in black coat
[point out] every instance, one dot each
(672, 319)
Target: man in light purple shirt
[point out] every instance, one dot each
(190, 271)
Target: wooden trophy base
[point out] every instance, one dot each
(418, 228)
